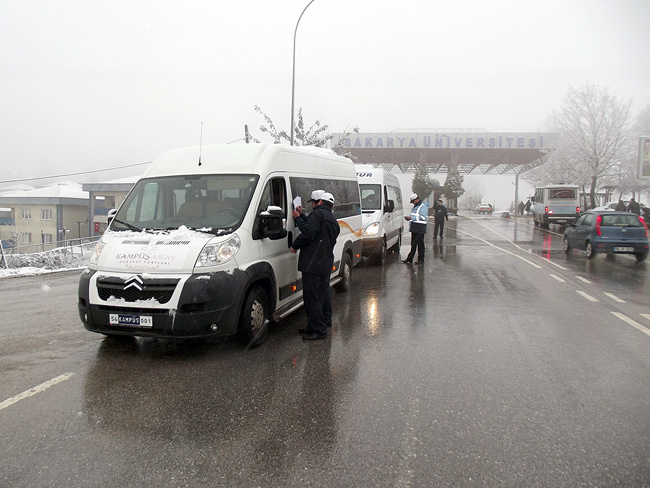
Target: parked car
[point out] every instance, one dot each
(483, 208)
(611, 206)
(607, 231)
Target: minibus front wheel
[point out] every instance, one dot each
(254, 323)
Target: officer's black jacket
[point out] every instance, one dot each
(318, 233)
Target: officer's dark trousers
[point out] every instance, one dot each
(417, 242)
(318, 303)
(439, 226)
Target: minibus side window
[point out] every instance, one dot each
(346, 193)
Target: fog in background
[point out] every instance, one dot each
(88, 85)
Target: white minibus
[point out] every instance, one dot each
(200, 246)
(556, 204)
(381, 209)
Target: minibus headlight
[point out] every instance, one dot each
(94, 255)
(213, 254)
(371, 230)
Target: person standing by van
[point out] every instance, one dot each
(318, 233)
(440, 216)
(418, 219)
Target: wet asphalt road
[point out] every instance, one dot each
(500, 362)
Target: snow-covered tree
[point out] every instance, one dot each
(454, 186)
(315, 135)
(596, 138)
(423, 184)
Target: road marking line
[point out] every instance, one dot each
(583, 279)
(558, 278)
(614, 297)
(501, 249)
(633, 323)
(548, 260)
(587, 296)
(35, 390)
(646, 315)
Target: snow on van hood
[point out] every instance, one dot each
(145, 252)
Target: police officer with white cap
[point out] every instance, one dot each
(318, 233)
(418, 218)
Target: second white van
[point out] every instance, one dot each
(200, 246)
(381, 208)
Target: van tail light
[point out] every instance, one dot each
(599, 220)
(644, 225)
(577, 210)
(545, 209)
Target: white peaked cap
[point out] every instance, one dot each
(317, 195)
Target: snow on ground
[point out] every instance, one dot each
(45, 262)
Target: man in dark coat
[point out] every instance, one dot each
(318, 233)
(634, 207)
(440, 217)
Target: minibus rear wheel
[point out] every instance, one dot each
(254, 324)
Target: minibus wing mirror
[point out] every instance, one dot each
(273, 223)
(110, 215)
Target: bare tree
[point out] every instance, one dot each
(643, 121)
(596, 137)
(474, 193)
(316, 135)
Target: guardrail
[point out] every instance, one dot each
(62, 254)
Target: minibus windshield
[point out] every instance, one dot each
(370, 197)
(215, 203)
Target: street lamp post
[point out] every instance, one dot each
(293, 76)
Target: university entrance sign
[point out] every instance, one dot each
(468, 151)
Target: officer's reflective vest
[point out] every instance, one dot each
(419, 215)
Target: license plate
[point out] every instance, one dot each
(131, 320)
(623, 249)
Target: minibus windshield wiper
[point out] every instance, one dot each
(128, 226)
(211, 230)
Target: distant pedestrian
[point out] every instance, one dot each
(318, 233)
(418, 219)
(527, 207)
(522, 207)
(620, 206)
(440, 216)
(634, 207)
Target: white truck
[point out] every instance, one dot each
(555, 204)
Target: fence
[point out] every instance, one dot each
(63, 254)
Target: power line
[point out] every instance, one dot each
(75, 174)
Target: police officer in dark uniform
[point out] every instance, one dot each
(440, 216)
(318, 233)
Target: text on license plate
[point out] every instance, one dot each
(623, 249)
(130, 320)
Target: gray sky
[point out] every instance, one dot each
(92, 85)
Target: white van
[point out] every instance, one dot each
(555, 204)
(200, 246)
(381, 208)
